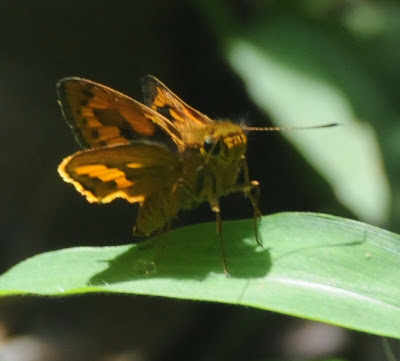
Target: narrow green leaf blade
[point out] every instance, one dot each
(314, 266)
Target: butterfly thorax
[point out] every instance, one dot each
(212, 167)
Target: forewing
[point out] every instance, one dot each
(101, 116)
(185, 118)
(129, 171)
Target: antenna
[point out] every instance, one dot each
(278, 129)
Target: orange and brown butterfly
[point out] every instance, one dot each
(199, 161)
(120, 159)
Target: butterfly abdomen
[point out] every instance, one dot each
(156, 213)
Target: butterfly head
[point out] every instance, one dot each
(225, 142)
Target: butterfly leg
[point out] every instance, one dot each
(216, 209)
(252, 191)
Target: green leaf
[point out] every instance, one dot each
(314, 266)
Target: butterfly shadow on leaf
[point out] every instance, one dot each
(190, 253)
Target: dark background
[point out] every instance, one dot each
(116, 43)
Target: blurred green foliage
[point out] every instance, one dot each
(320, 62)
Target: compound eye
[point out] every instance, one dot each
(212, 144)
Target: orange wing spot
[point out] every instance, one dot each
(88, 169)
(87, 112)
(100, 171)
(174, 114)
(109, 175)
(141, 121)
(109, 132)
(112, 175)
(187, 113)
(122, 182)
(93, 122)
(103, 174)
(159, 100)
(99, 104)
(134, 165)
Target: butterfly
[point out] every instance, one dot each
(198, 160)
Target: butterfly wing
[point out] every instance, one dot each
(188, 120)
(131, 171)
(101, 116)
